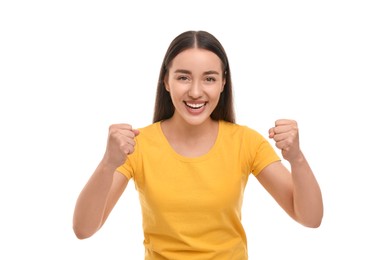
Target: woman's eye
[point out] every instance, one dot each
(210, 79)
(182, 78)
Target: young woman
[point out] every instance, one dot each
(191, 165)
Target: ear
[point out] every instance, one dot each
(223, 81)
(223, 85)
(166, 85)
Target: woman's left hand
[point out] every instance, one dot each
(286, 136)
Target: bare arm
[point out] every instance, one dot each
(105, 186)
(97, 200)
(297, 192)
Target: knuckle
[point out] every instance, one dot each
(123, 146)
(111, 127)
(130, 150)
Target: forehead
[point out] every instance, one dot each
(194, 58)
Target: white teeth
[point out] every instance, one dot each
(195, 106)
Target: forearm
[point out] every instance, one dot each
(90, 206)
(308, 205)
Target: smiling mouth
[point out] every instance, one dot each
(195, 105)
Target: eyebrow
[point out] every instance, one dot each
(209, 72)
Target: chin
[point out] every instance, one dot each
(196, 120)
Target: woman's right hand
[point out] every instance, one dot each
(104, 187)
(120, 143)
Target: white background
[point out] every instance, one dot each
(69, 69)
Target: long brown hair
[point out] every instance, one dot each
(163, 108)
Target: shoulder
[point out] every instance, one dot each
(234, 129)
(150, 134)
(149, 128)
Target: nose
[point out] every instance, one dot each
(195, 91)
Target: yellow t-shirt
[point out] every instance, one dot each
(191, 207)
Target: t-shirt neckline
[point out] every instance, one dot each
(202, 157)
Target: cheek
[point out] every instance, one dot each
(216, 97)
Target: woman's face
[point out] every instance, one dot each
(195, 81)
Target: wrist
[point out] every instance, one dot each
(107, 166)
(298, 159)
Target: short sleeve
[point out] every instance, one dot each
(129, 167)
(261, 152)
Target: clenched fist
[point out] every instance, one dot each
(120, 143)
(286, 136)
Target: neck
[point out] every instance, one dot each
(182, 130)
(190, 140)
